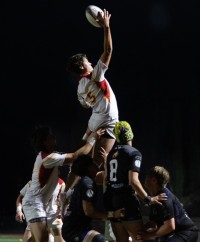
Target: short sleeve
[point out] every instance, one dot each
(54, 159)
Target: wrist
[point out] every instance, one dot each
(19, 209)
(91, 140)
(147, 200)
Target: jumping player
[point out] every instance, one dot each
(94, 91)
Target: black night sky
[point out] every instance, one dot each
(154, 73)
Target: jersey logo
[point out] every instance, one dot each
(89, 193)
(115, 154)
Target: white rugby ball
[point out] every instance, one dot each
(91, 13)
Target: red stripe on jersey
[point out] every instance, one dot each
(44, 175)
(105, 88)
(103, 85)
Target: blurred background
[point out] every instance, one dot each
(154, 73)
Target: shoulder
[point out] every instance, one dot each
(84, 80)
(86, 181)
(98, 68)
(130, 150)
(100, 63)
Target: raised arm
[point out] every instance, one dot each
(85, 149)
(108, 47)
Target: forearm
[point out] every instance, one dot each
(162, 231)
(96, 214)
(166, 228)
(137, 186)
(108, 46)
(19, 201)
(84, 150)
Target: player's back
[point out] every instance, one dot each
(119, 162)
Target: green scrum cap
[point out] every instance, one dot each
(123, 132)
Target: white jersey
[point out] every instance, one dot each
(53, 208)
(95, 90)
(44, 178)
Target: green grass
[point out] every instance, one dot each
(10, 238)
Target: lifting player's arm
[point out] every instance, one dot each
(85, 149)
(95, 213)
(108, 46)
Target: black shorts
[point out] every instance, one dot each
(118, 198)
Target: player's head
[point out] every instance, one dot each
(84, 165)
(79, 64)
(157, 175)
(43, 139)
(123, 132)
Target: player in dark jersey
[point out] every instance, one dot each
(122, 184)
(77, 224)
(170, 222)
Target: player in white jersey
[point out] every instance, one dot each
(27, 237)
(94, 91)
(53, 213)
(45, 177)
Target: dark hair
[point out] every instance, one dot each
(75, 62)
(39, 136)
(81, 165)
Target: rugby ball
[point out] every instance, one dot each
(91, 13)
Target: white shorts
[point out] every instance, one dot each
(107, 122)
(34, 210)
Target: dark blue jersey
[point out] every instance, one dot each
(76, 223)
(119, 194)
(172, 208)
(120, 161)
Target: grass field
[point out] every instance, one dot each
(10, 237)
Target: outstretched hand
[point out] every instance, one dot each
(104, 20)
